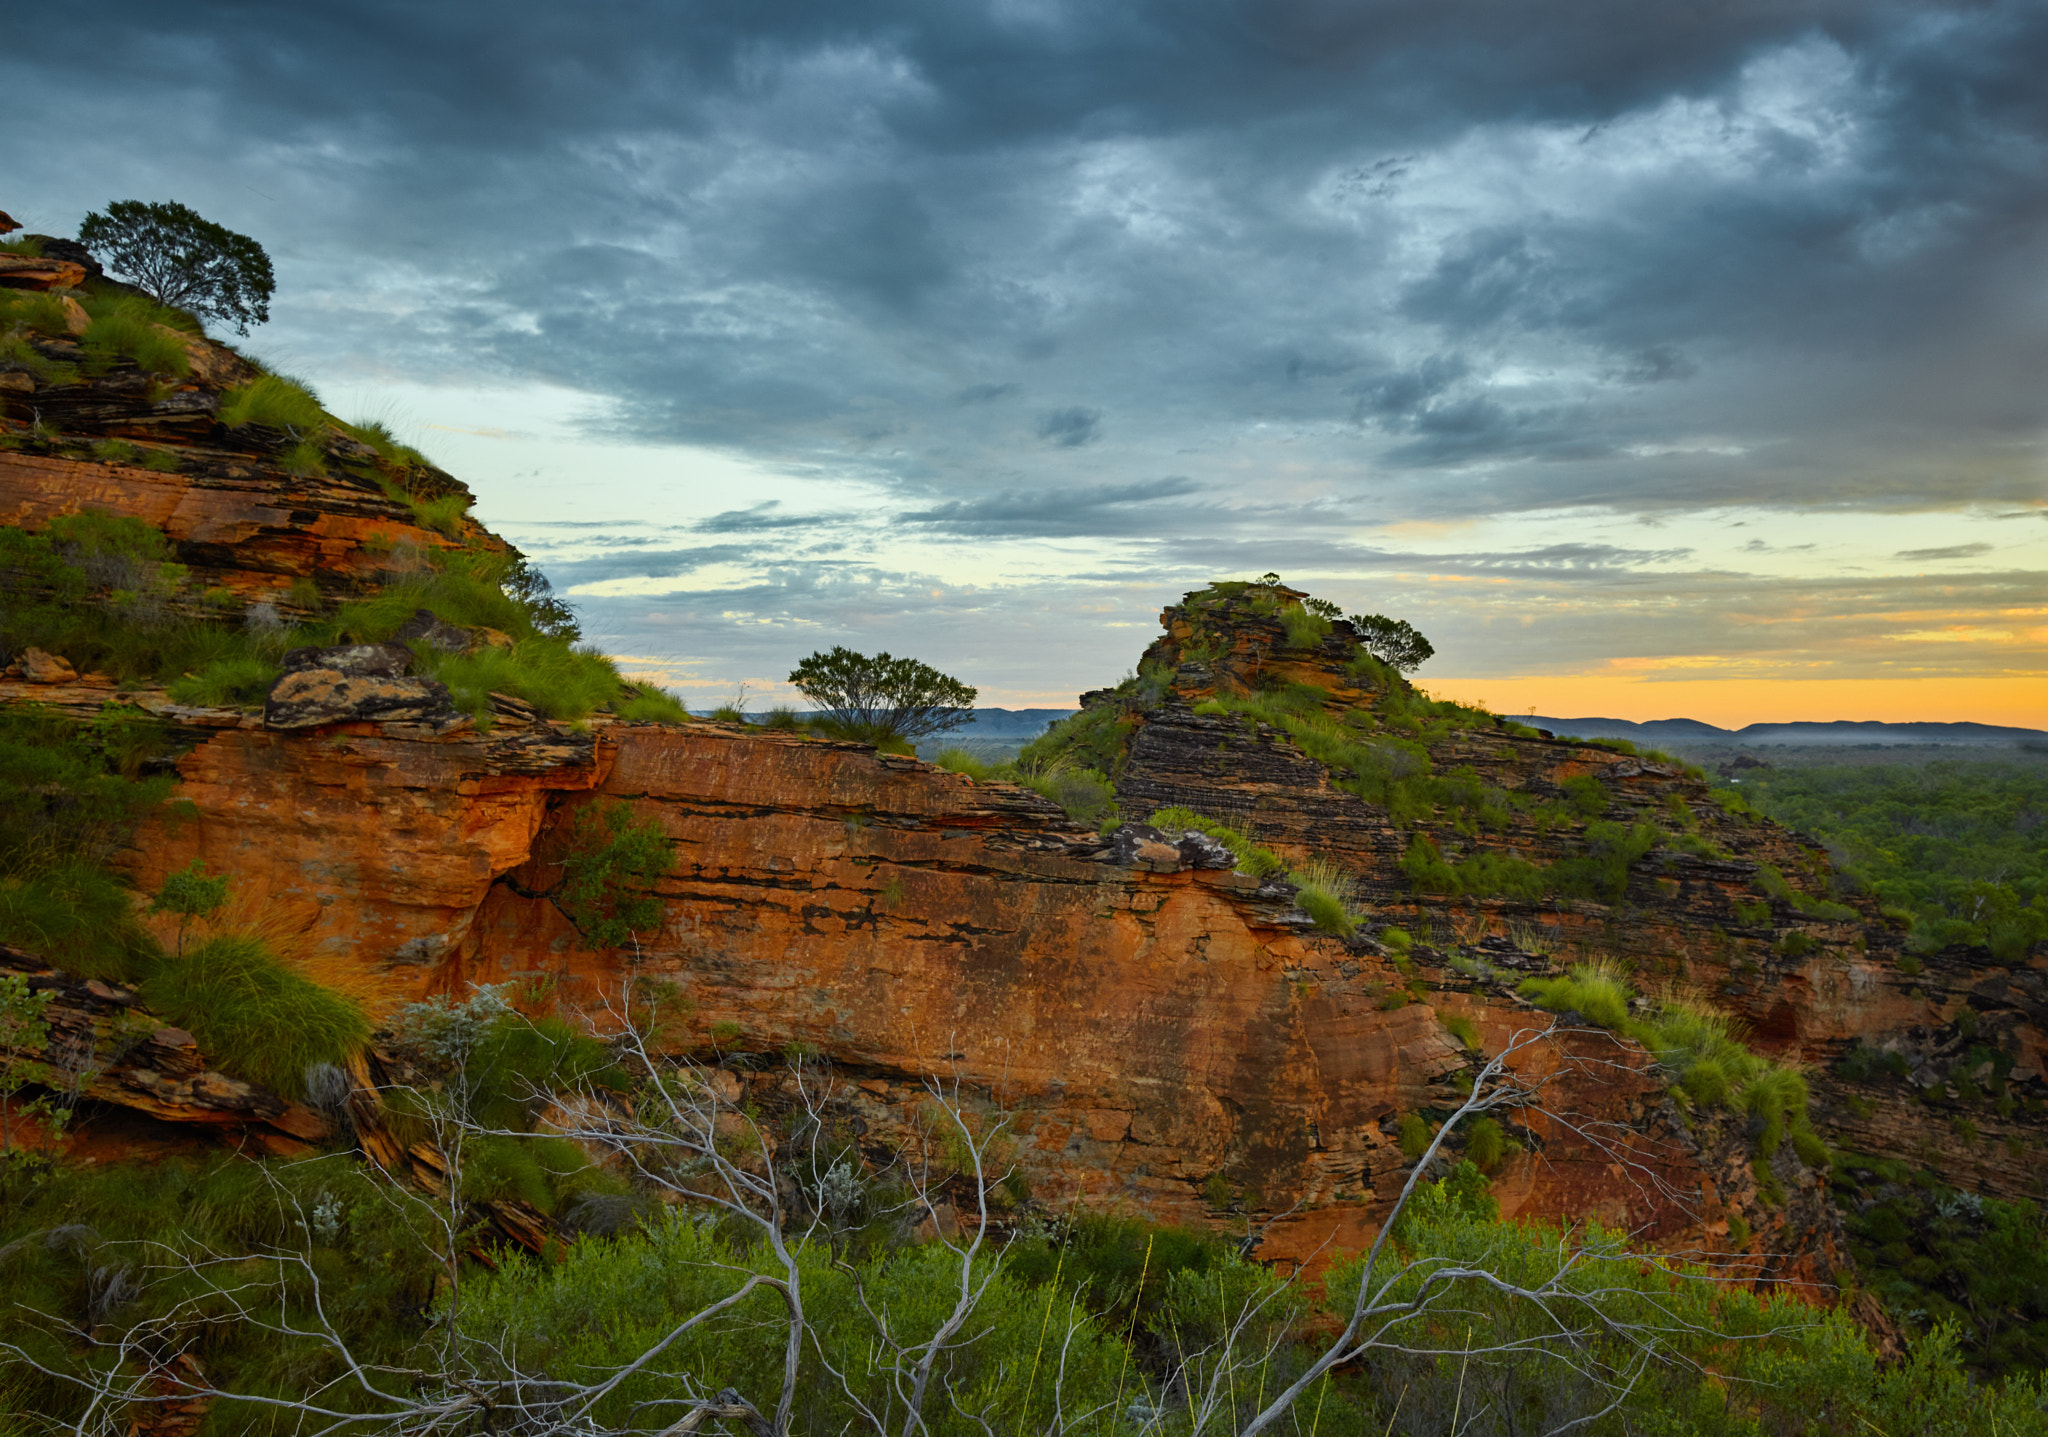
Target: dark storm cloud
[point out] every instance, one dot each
(1103, 508)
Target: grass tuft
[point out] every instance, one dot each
(274, 402)
(258, 1018)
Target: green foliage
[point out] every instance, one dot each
(1323, 890)
(1254, 860)
(24, 1036)
(190, 894)
(444, 515)
(881, 697)
(257, 1017)
(234, 680)
(561, 681)
(1700, 1048)
(1955, 845)
(1303, 628)
(609, 1302)
(608, 864)
(1586, 795)
(69, 798)
(90, 1243)
(1095, 738)
(129, 327)
(182, 259)
(1486, 1143)
(1459, 1026)
(1415, 1136)
(1088, 795)
(648, 704)
(1394, 642)
(275, 403)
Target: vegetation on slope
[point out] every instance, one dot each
(105, 594)
(1959, 849)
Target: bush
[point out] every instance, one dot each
(1323, 890)
(1595, 992)
(881, 698)
(560, 680)
(609, 863)
(132, 328)
(237, 681)
(1486, 1143)
(275, 403)
(651, 705)
(256, 1017)
(1415, 1136)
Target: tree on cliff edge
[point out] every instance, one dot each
(882, 698)
(179, 258)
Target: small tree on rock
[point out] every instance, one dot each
(883, 698)
(1394, 642)
(179, 258)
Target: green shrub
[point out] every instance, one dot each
(652, 705)
(303, 460)
(256, 1017)
(274, 402)
(561, 681)
(1088, 795)
(234, 681)
(1586, 795)
(959, 760)
(1415, 1136)
(1253, 859)
(443, 516)
(1486, 1143)
(1095, 738)
(1593, 991)
(609, 862)
(1463, 1029)
(1303, 628)
(1323, 890)
(127, 327)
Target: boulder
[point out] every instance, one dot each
(23, 271)
(41, 668)
(355, 683)
(1140, 845)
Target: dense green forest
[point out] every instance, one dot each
(1958, 847)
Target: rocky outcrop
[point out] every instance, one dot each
(357, 683)
(247, 509)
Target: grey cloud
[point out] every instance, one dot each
(1951, 551)
(1070, 428)
(1055, 512)
(761, 518)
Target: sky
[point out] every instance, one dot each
(1655, 358)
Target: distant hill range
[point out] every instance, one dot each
(1020, 726)
(1838, 732)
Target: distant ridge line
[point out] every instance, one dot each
(1833, 731)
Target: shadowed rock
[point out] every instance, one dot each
(355, 683)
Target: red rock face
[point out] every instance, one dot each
(1150, 1032)
(244, 528)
